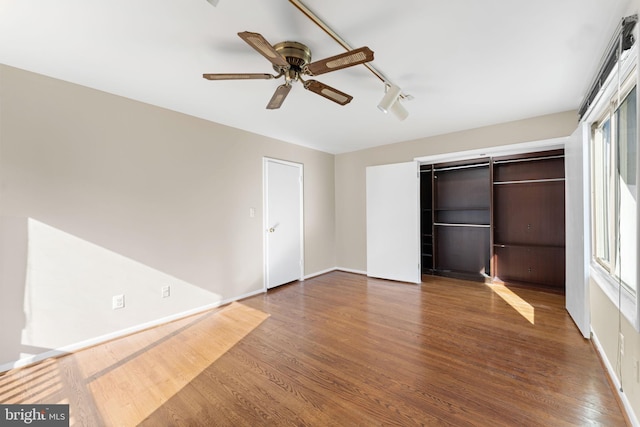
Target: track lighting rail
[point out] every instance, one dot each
(320, 23)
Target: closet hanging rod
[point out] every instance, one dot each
(449, 168)
(446, 224)
(529, 181)
(528, 159)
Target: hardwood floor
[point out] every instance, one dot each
(341, 350)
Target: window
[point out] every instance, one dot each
(614, 156)
(602, 164)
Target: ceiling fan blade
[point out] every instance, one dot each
(328, 92)
(344, 60)
(278, 97)
(238, 76)
(263, 47)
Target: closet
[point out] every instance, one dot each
(499, 219)
(528, 219)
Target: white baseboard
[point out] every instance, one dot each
(118, 334)
(349, 270)
(329, 270)
(240, 297)
(318, 273)
(612, 374)
(25, 361)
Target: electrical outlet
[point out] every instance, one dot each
(166, 291)
(117, 302)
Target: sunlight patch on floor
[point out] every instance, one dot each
(162, 370)
(124, 381)
(525, 309)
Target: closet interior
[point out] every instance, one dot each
(495, 219)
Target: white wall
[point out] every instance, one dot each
(101, 195)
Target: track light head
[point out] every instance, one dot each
(389, 98)
(391, 102)
(399, 111)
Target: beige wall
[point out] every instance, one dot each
(160, 196)
(350, 171)
(606, 323)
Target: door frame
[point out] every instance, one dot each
(265, 225)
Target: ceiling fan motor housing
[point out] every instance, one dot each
(296, 54)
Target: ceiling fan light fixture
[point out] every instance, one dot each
(389, 98)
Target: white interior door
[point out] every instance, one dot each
(577, 230)
(283, 212)
(393, 222)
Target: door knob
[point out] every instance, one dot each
(271, 230)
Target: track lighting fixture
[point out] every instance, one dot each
(391, 102)
(399, 111)
(389, 98)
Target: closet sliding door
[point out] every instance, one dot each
(577, 230)
(393, 222)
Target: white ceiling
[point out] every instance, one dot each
(467, 63)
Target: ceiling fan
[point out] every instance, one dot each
(293, 60)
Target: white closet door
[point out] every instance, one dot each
(393, 222)
(576, 155)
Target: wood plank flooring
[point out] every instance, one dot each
(346, 350)
(121, 382)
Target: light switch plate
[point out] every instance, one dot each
(117, 302)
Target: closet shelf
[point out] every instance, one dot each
(471, 208)
(527, 246)
(447, 224)
(529, 181)
(528, 159)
